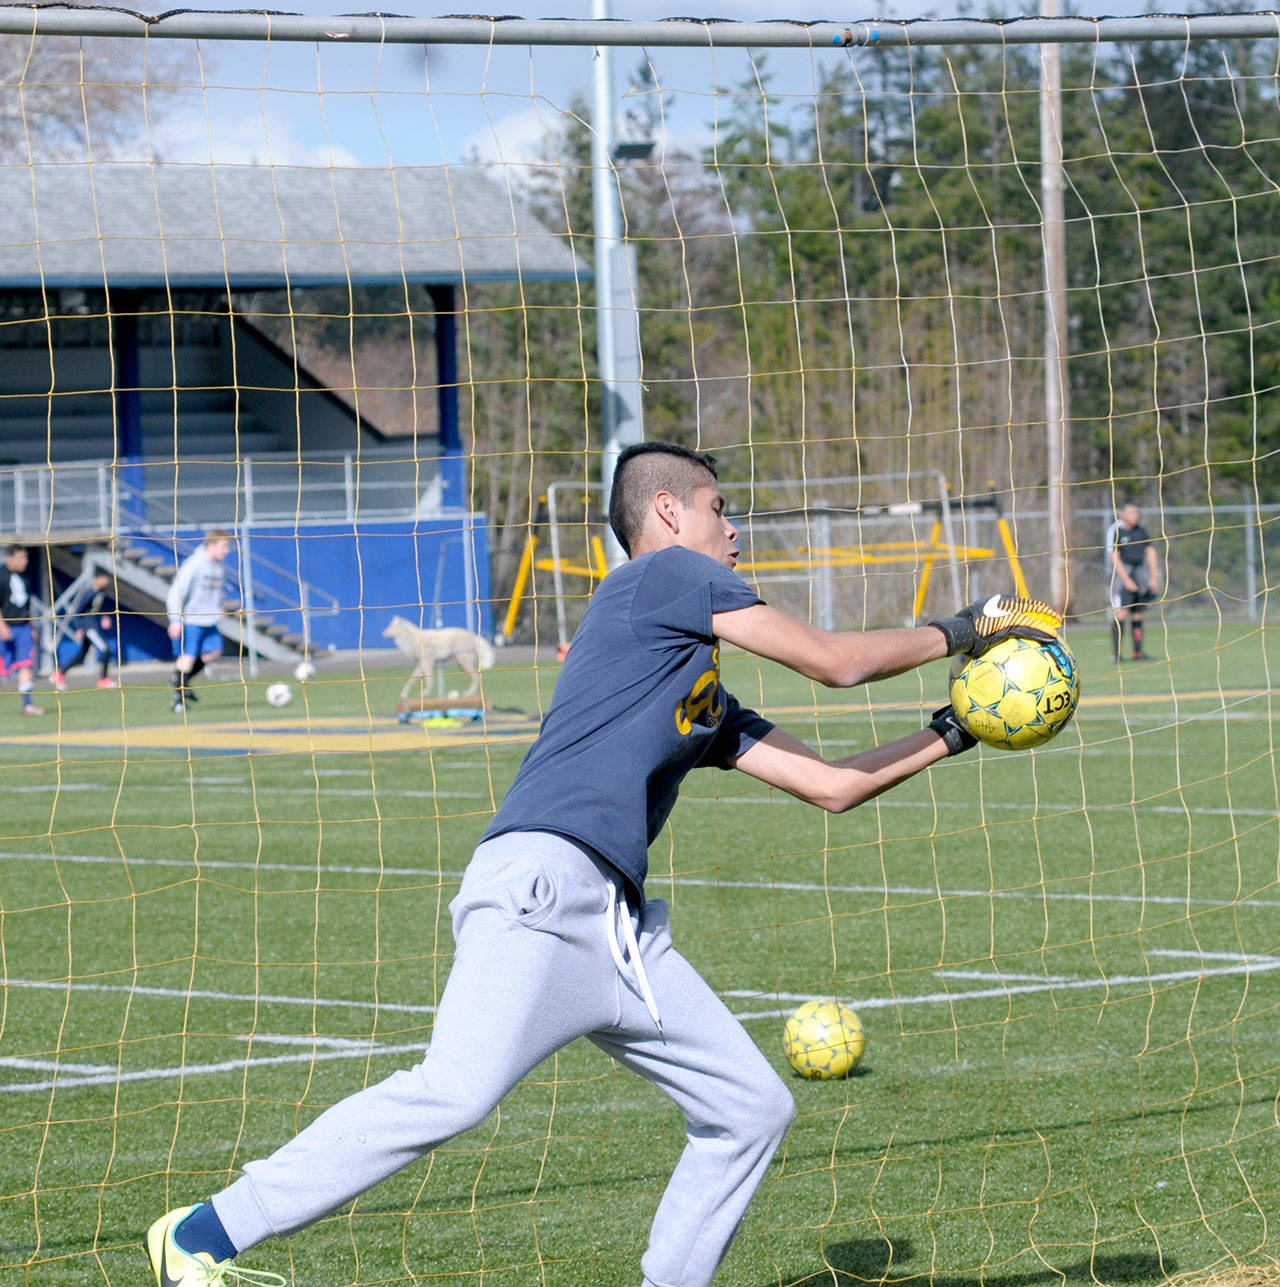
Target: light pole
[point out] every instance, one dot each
(1057, 438)
(617, 321)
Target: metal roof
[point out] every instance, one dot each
(148, 225)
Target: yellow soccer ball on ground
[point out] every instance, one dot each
(823, 1040)
(1018, 694)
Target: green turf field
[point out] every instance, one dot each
(1067, 963)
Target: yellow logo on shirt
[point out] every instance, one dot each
(702, 699)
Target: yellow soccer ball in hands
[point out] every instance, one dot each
(1017, 694)
(823, 1040)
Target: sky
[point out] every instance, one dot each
(301, 104)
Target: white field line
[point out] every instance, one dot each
(983, 975)
(1197, 954)
(690, 882)
(237, 864)
(108, 1076)
(261, 1039)
(932, 891)
(47, 1065)
(246, 788)
(992, 806)
(1254, 965)
(196, 994)
(346, 1048)
(239, 786)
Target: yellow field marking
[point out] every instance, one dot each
(362, 735)
(277, 735)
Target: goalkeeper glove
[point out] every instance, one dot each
(946, 724)
(976, 628)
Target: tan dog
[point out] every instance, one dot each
(430, 647)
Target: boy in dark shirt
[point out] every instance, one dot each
(95, 627)
(1135, 577)
(554, 937)
(17, 639)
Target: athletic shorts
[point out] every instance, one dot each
(18, 653)
(1122, 597)
(199, 641)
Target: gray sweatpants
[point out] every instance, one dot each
(541, 959)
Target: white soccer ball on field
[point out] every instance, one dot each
(303, 671)
(279, 695)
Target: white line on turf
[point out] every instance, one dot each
(345, 1048)
(1260, 965)
(49, 1065)
(1003, 974)
(932, 891)
(64, 1067)
(315, 792)
(1197, 954)
(657, 878)
(991, 806)
(197, 994)
(113, 1076)
(247, 788)
(236, 864)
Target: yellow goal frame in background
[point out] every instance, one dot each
(921, 553)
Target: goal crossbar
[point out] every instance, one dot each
(675, 32)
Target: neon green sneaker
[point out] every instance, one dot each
(174, 1267)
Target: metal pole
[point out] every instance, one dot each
(469, 577)
(557, 576)
(246, 605)
(246, 569)
(823, 580)
(1251, 519)
(1057, 447)
(185, 24)
(949, 535)
(607, 234)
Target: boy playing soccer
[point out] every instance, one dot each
(1134, 568)
(554, 938)
(95, 627)
(17, 639)
(195, 608)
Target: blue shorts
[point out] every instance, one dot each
(199, 641)
(18, 653)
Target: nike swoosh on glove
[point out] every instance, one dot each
(976, 628)
(946, 723)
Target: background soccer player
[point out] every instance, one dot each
(195, 607)
(1135, 576)
(95, 627)
(17, 639)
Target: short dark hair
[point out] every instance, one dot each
(645, 469)
(15, 548)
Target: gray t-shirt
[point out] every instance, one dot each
(195, 596)
(638, 704)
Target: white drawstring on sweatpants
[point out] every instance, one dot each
(617, 905)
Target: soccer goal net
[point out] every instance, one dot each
(959, 308)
